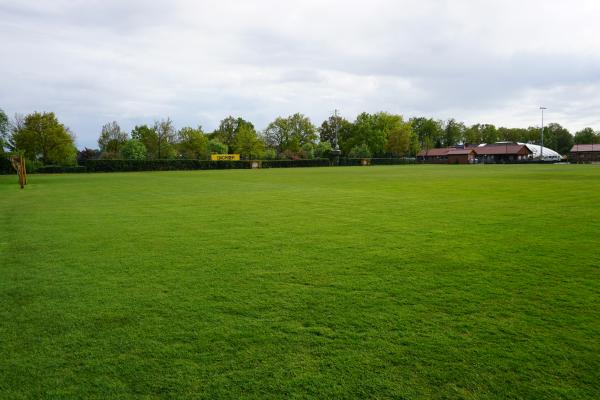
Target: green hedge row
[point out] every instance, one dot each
(172, 165)
(5, 166)
(376, 161)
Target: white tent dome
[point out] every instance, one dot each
(548, 154)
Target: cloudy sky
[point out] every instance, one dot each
(198, 61)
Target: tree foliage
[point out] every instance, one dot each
(290, 133)
(4, 130)
(43, 138)
(193, 144)
(112, 139)
(229, 128)
(166, 138)
(133, 149)
(586, 136)
(247, 143)
(148, 137)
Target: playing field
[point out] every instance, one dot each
(356, 282)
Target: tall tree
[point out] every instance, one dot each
(4, 129)
(586, 136)
(42, 137)
(429, 132)
(248, 144)
(148, 137)
(400, 139)
(558, 138)
(193, 143)
(454, 133)
(290, 133)
(229, 128)
(489, 134)
(334, 125)
(112, 139)
(166, 138)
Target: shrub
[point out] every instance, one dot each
(361, 151)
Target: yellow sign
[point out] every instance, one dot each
(225, 157)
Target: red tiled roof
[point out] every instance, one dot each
(585, 148)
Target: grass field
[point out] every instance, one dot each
(476, 282)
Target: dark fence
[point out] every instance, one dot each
(376, 161)
(5, 166)
(176, 165)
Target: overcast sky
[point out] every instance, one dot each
(198, 61)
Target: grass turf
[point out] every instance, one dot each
(376, 282)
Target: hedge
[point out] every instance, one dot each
(172, 165)
(6, 166)
(376, 161)
(60, 169)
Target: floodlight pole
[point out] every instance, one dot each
(542, 146)
(337, 130)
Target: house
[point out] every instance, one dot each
(488, 153)
(584, 153)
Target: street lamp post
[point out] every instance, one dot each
(542, 146)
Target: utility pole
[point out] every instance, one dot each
(542, 146)
(337, 130)
(336, 152)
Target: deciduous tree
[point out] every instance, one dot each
(193, 143)
(42, 137)
(112, 139)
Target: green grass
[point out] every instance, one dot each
(477, 282)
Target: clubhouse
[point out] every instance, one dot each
(487, 153)
(584, 153)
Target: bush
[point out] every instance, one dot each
(5, 166)
(377, 161)
(317, 162)
(59, 169)
(160, 165)
(361, 151)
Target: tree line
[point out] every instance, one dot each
(42, 138)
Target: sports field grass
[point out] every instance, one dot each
(476, 282)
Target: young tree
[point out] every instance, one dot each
(112, 139)
(193, 144)
(42, 137)
(133, 150)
